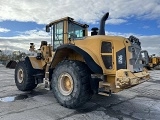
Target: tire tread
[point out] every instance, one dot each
(85, 92)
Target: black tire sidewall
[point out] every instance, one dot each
(76, 84)
(19, 85)
(28, 82)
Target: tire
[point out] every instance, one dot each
(24, 76)
(71, 83)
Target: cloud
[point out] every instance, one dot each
(31, 34)
(146, 27)
(4, 30)
(151, 43)
(22, 41)
(44, 11)
(115, 21)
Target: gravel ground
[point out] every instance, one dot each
(141, 102)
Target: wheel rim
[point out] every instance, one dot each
(65, 84)
(20, 76)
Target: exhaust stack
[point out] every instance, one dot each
(102, 24)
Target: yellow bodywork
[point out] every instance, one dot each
(125, 78)
(154, 61)
(113, 79)
(92, 45)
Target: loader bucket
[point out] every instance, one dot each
(11, 64)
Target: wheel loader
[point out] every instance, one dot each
(154, 62)
(75, 66)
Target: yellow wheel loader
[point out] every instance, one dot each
(75, 66)
(153, 62)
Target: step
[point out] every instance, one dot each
(105, 84)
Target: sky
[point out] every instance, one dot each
(23, 21)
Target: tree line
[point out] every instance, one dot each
(15, 55)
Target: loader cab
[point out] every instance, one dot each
(66, 30)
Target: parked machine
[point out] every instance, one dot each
(75, 66)
(153, 62)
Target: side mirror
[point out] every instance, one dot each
(47, 28)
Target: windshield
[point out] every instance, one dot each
(76, 30)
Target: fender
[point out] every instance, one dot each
(64, 50)
(36, 64)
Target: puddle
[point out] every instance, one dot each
(23, 96)
(13, 98)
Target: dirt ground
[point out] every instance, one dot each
(141, 102)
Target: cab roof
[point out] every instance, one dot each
(67, 19)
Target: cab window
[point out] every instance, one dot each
(76, 30)
(58, 34)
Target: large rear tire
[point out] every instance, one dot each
(71, 83)
(24, 76)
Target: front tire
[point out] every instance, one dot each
(24, 76)
(71, 83)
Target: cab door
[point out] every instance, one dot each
(58, 34)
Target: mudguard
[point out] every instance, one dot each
(62, 51)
